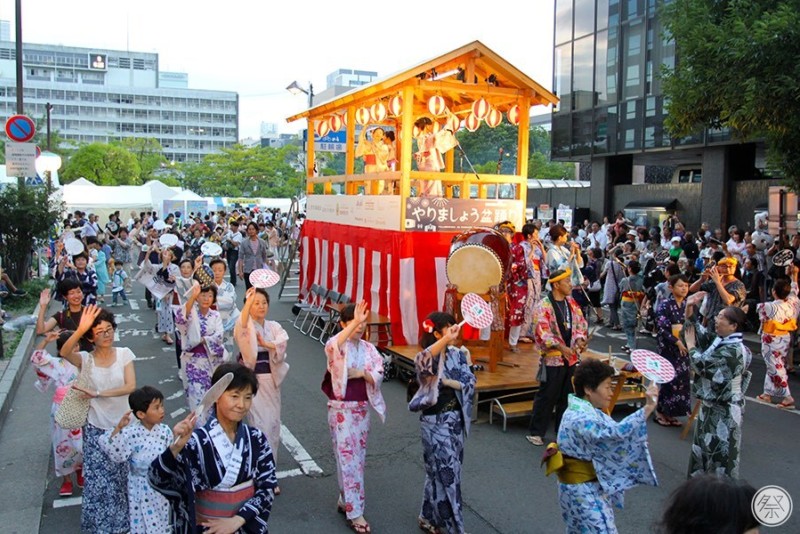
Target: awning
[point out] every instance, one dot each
(653, 205)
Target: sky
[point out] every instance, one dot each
(258, 48)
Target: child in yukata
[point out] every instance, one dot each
(139, 444)
(118, 284)
(67, 444)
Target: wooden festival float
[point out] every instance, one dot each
(392, 249)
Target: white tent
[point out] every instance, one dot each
(105, 200)
(83, 181)
(187, 195)
(159, 192)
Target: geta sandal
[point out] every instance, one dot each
(359, 528)
(783, 405)
(425, 526)
(763, 397)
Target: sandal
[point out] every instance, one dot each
(675, 422)
(661, 421)
(525, 340)
(786, 404)
(425, 526)
(535, 440)
(359, 528)
(764, 398)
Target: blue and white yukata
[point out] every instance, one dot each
(620, 456)
(443, 434)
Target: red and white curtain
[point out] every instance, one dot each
(400, 274)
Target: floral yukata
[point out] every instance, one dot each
(778, 321)
(517, 286)
(138, 447)
(444, 425)
(67, 444)
(348, 414)
(226, 306)
(210, 461)
(720, 382)
(620, 456)
(674, 398)
(270, 368)
(203, 351)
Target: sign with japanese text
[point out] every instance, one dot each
(20, 159)
(381, 212)
(439, 214)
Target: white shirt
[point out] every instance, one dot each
(105, 412)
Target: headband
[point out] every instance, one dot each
(559, 275)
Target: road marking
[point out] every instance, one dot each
(176, 413)
(168, 349)
(289, 473)
(134, 304)
(164, 381)
(795, 411)
(175, 395)
(301, 456)
(71, 501)
(144, 358)
(129, 318)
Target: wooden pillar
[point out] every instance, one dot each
(310, 157)
(523, 141)
(405, 151)
(350, 154)
(449, 165)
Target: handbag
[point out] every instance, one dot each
(73, 411)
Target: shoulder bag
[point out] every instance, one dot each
(73, 411)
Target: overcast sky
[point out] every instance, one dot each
(257, 48)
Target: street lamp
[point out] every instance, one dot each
(46, 164)
(296, 89)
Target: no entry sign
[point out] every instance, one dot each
(20, 128)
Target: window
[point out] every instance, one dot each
(582, 94)
(563, 81)
(584, 17)
(563, 31)
(632, 60)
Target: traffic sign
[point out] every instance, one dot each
(20, 128)
(20, 159)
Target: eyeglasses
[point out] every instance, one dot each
(108, 332)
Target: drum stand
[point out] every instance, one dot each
(498, 301)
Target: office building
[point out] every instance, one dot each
(105, 95)
(342, 80)
(606, 63)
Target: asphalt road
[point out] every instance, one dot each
(504, 489)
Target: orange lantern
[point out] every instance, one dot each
(513, 115)
(493, 118)
(396, 105)
(377, 112)
(480, 108)
(472, 122)
(437, 105)
(322, 128)
(335, 123)
(453, 123)
(436, 127)
(362, 116)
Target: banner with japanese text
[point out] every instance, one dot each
(439, 214)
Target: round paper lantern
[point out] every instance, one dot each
(480, 108)
(493, 118)
(396, 105)
(322, 128)
(377, 112)
(415, 132)
(453, 123)
(437, 105)
(436, 127)
(335, 123)
(472, 122)
(362, 116)
(513, 115)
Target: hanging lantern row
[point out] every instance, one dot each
(322, 128)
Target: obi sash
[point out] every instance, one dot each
(775, 328)
(222, 503)
(568, 470)
(632, 296)
(356, 389)
(199, 349)
(369, 159)
(262, 363)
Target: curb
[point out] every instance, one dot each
(16, 367)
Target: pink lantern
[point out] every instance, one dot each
(493, 118)
(377, 112)
(472, 122)
(480, 108)
(437, 105)
(335, 123)
(453, 123)
(513, 115)
(362, 116)
(396, 105)
(322, 128)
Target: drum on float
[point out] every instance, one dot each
(479, 259)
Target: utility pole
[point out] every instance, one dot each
(20, 106)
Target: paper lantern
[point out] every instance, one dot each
(480, 108)
(335, 123)
(493, 118)
(322, 128)
(513, 115)
(415, 132)
(472, 122)
(437, 105)
(396, 105)
(377, 112)
(453, 123)
(436, 127)
(362, 116)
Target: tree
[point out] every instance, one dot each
(148, 153)
(102, 164)
(28, 214)
(738, 62)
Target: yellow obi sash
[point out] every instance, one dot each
(569, 470)
(632, 296)
(776, 328)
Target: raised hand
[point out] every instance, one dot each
(44, 298)
(90, 313)
(198, 262)
(451, 333)
(52, 335)
(361, 312)
(183, 431)
(124, 421)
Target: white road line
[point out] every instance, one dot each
(795, 411)
(168, 349)
(165, 380)
(307, 464)
(134, 304)
(176, 413)
(175, 395)
(144, 358)
(289, 473)
(71, 501)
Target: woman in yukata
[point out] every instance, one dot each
(79, 269)
(263, 349)
(597, 458)
(219, 477)
(561, 256)
(226, 297)
(352, 384)
(201, 333)
(446, 386)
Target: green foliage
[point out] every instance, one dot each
(738, 62)
(148, 153)
(28, 214)
(103, 164)
(239, 171)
